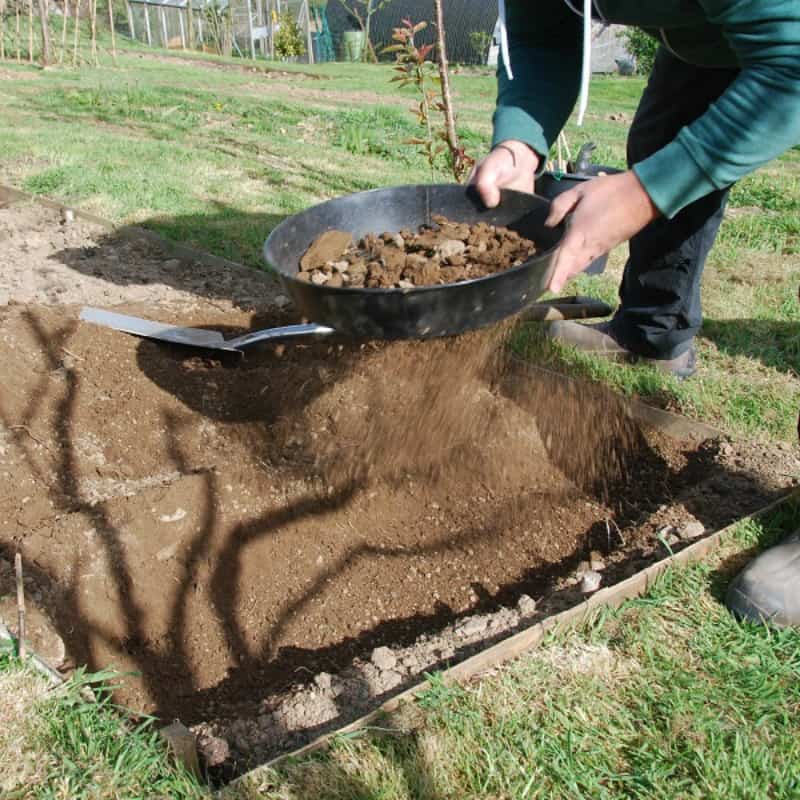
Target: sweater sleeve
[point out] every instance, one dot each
(545, 54)
(756, 119)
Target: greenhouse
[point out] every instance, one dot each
(283, 29)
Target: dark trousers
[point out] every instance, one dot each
(660, 308)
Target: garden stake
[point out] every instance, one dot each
(20, 604)
(17, 37)
(64, 19)
(30, 31)
(113, 35)
(77, 33)
(43, 16)
(93, 12)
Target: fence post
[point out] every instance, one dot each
(147, 25)
(250, 29)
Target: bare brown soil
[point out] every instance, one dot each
(229, 532)
(445, 252)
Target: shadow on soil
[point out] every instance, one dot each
(127, 257)
(613, 463)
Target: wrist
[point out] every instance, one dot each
(522, 154)
(648, 210)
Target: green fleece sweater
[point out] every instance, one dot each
(755, 120)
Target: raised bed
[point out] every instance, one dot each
(277, 548)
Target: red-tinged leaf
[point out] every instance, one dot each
(420, 26)
(424, 50)
(393, 48)
(415, 140)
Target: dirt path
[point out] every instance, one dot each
(233, 532)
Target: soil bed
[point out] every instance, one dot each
(445, 252)
(275, 545)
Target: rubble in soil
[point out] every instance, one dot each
(442, 253)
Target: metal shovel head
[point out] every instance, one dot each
(162, 331)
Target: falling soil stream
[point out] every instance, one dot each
(228, 534)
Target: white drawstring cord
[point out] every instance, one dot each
(586, 66)
(501, 14)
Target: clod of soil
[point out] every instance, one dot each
(445, 252)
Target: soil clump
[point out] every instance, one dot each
(441, 253)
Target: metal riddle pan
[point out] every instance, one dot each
(425, 311)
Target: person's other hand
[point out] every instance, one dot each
(510, 165)
(606, 211)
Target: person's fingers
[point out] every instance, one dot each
(491, 174)
(488, 188)
(567, 260)
(561, 206)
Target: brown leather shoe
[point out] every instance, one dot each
(596, 338)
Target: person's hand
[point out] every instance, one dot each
(606, 211)
(510, 165)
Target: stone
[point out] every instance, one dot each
(328, 247)
(214, 750)
(451, 247)
(692, 530)
(526, 605)
(596, 561)
(590, 582)
(323, 681)
(583, 568)
(319, 278)
(472, 626)
(383, 658)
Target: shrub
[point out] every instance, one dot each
(642, 47)
(288, 37)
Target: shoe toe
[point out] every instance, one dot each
(768, 590)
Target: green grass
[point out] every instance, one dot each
(61, 747)
(667, 697)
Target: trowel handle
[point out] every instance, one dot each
(276, 334)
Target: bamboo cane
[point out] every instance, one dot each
(76, 40)
(2, 30)
(93, 12)
(45, 21)
(64, 21)
(18, 35)
(21, 633)
(113, 34)
(30, 31)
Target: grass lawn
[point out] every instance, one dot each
(667, 697)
